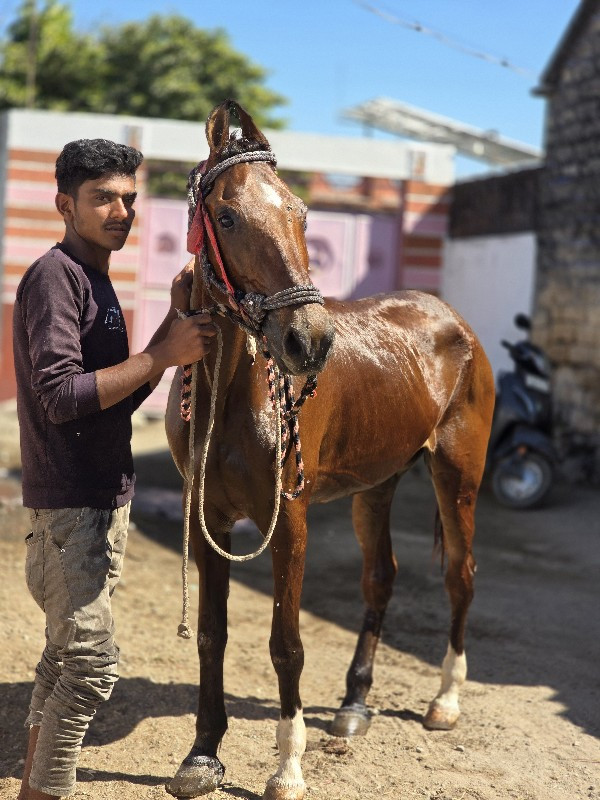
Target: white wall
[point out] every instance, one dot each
(168, 139)
(489, 279)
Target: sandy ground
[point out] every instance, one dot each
(531, 707)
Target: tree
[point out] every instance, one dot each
(161, 67)
(45, 64)
(166, 67)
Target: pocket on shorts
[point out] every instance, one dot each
(64, 523)
(34, 566)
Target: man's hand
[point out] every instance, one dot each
(187, 341)
(181, 288)
(176, 342)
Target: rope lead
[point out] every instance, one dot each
(184, 629)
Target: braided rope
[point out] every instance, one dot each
(253, 307)
(288, 407)
(207, 180)
(184, 629)
(200, 182)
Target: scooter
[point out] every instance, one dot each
(521, 455)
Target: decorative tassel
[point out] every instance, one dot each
(184, 630)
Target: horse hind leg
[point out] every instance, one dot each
(371, 518)
(456, 471)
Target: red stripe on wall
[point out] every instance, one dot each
(8, 384)
(422, 261)
(423, 242)
(26, 212)
(51, 233)
(32, 174)
(437, 206)
(41, 156)
(429, 189)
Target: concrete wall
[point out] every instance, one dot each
(488, 279)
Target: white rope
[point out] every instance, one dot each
(184, 629)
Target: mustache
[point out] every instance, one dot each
(117, 226)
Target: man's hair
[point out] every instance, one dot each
(88, 159)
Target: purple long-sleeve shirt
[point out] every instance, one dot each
(68, 324)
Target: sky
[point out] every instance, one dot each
(329, 55)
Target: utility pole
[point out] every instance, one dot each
(32, 49)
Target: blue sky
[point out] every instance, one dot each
(327, 55)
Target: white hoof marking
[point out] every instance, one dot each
(291, 742)
(454, 673)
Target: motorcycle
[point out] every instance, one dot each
(521, 455)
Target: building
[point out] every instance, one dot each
(490, 255)
(377, 220)
(567, 307)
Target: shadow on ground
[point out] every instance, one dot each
(536, 582)
(133, 700)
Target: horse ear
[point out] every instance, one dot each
(249, 129)
(217, 127)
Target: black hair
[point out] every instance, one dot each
(88, 159)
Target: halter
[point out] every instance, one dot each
(249, 308)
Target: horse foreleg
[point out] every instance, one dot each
(287, 654)
(201, 771)
(371, 519)
(456, 481)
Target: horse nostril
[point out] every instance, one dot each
(293, 344)
(325, 344)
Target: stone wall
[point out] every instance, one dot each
(498, 204)
(567, 314)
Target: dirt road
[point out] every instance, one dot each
(530, 727)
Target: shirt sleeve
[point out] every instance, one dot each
(52, 303)
(140, 395)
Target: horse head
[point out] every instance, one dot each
(259, 228)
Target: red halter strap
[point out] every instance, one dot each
(195, 239)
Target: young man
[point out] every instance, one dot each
(77, 387)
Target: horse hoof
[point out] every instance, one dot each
(277, 789)
(197, 775)
(351, 721)
(440, 718)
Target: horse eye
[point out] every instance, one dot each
(225, 221)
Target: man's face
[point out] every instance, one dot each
(102, 211)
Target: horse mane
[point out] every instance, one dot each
(237, 145)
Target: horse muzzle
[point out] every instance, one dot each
(300, 339)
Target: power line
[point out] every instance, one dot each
(417, 27)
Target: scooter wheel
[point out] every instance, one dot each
(522, 481)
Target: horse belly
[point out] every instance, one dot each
(363, 456)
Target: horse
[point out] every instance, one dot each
(400, 376)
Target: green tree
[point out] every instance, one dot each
(45, 64)
(165, 67)
(161, 67)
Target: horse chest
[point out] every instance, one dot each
(241, 459)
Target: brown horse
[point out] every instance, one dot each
(403, 376)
